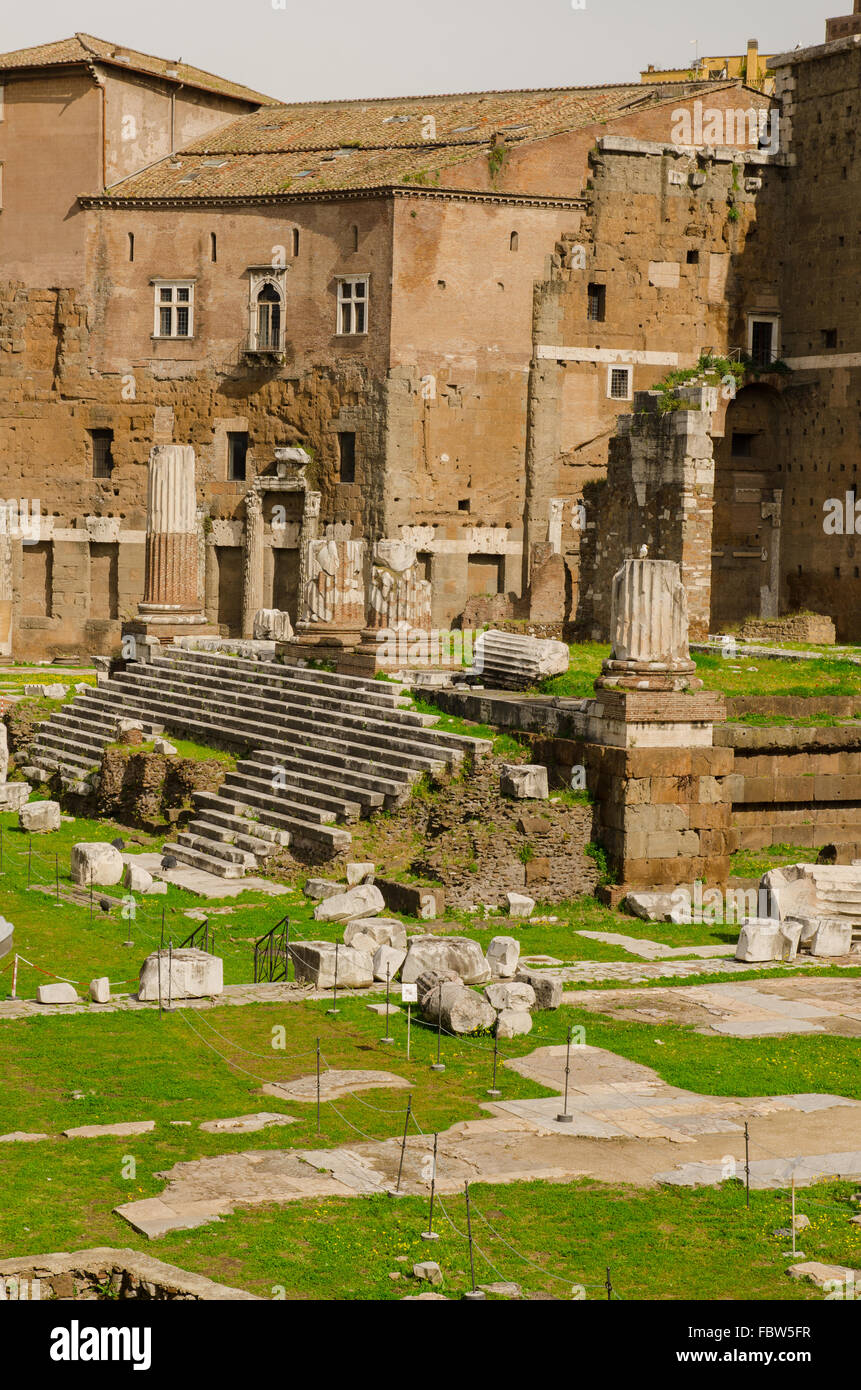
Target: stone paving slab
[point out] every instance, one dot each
(626, 1124)
(20, 1136)
(120, 1131)
(334, 1084)
(248, 1124)
(656, 950)
(769, 1008)
(770, 1172)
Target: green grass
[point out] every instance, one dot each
(753, 863)
(660, 1243)
(185, 748)
(757, 676)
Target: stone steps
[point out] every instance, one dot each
(343, 746)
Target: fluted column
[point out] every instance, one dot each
(171, 579)
(649, 628)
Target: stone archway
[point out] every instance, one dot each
(748, 501)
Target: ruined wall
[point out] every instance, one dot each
(820, 262)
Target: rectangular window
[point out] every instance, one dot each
(762, 338)
(829, 337)
(101, 445)
(353, 305)
(347, 457)
(237, 455)
(619, 383)
(174, 309)
(596, 304)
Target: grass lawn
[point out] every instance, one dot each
(660, 1243)
(753, 863)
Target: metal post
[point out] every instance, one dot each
(404, 1140)
(91, 895)
(747, 1164)
(793, 1215)
(565, 1118)
(15, 978)
(438, 1065)
(161, 943)
(388, 1038)
(430, 1233)
(609, 1285)
(334, 1009)
(170, 975)
(476, 1293)
(493, 1091)
(160, 1010)
(409, 1026)
(318, 1085)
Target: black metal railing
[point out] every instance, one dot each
(272, 954)
(203, 938)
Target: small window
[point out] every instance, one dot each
(131, 246)
(355, 238)
(174, 309)
(693, 258)
(353, 305)
(829, 337)
(514, 242)
(237, 455)
(619, 383)
(295, 241)
(742, 445)
(3, 101)
(596, 304)
(213, 247)
(464, 504)
(101, 443)
(762, 341)
(347, 457)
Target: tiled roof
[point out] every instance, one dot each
(84, 48)
(325, 146)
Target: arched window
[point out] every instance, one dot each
(514, 242)
(268, 326)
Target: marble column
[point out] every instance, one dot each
(171, 601)
(252, 576)
(649, 629)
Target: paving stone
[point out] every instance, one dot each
(20, 1136)
(119, 1131)
(333, 1084)
(248, 1124)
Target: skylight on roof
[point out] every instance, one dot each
(396, 120)
(189, 178)
(463, 129)
(214, 163)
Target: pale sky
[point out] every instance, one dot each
(352, 48)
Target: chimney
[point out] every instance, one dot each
(753, 61)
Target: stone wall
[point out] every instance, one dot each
(105, 1273)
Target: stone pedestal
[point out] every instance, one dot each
(649, 630)
(399, 609)
(333, 599)
(170, 606)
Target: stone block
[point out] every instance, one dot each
(503, 954)
(96, 862)
(517, 995)
(360, 873)
(322, 888)
(161, 745)
(412, 899)
(459, 1009)
(387, 962)
(383, 931)
(60, 993)
(136, 879)
(833, 937)
(759, 940)
(519, 905)
(185, 974)
(513, 1023)
(100, 990)
(524, 781)
(362, 901)
(548, 992)
(458, 954)
(315, 962)
(40, 817)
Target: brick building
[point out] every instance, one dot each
(447, 301)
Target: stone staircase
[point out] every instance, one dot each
(321, 750)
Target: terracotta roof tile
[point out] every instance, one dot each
(84, 48)
(326, 146)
